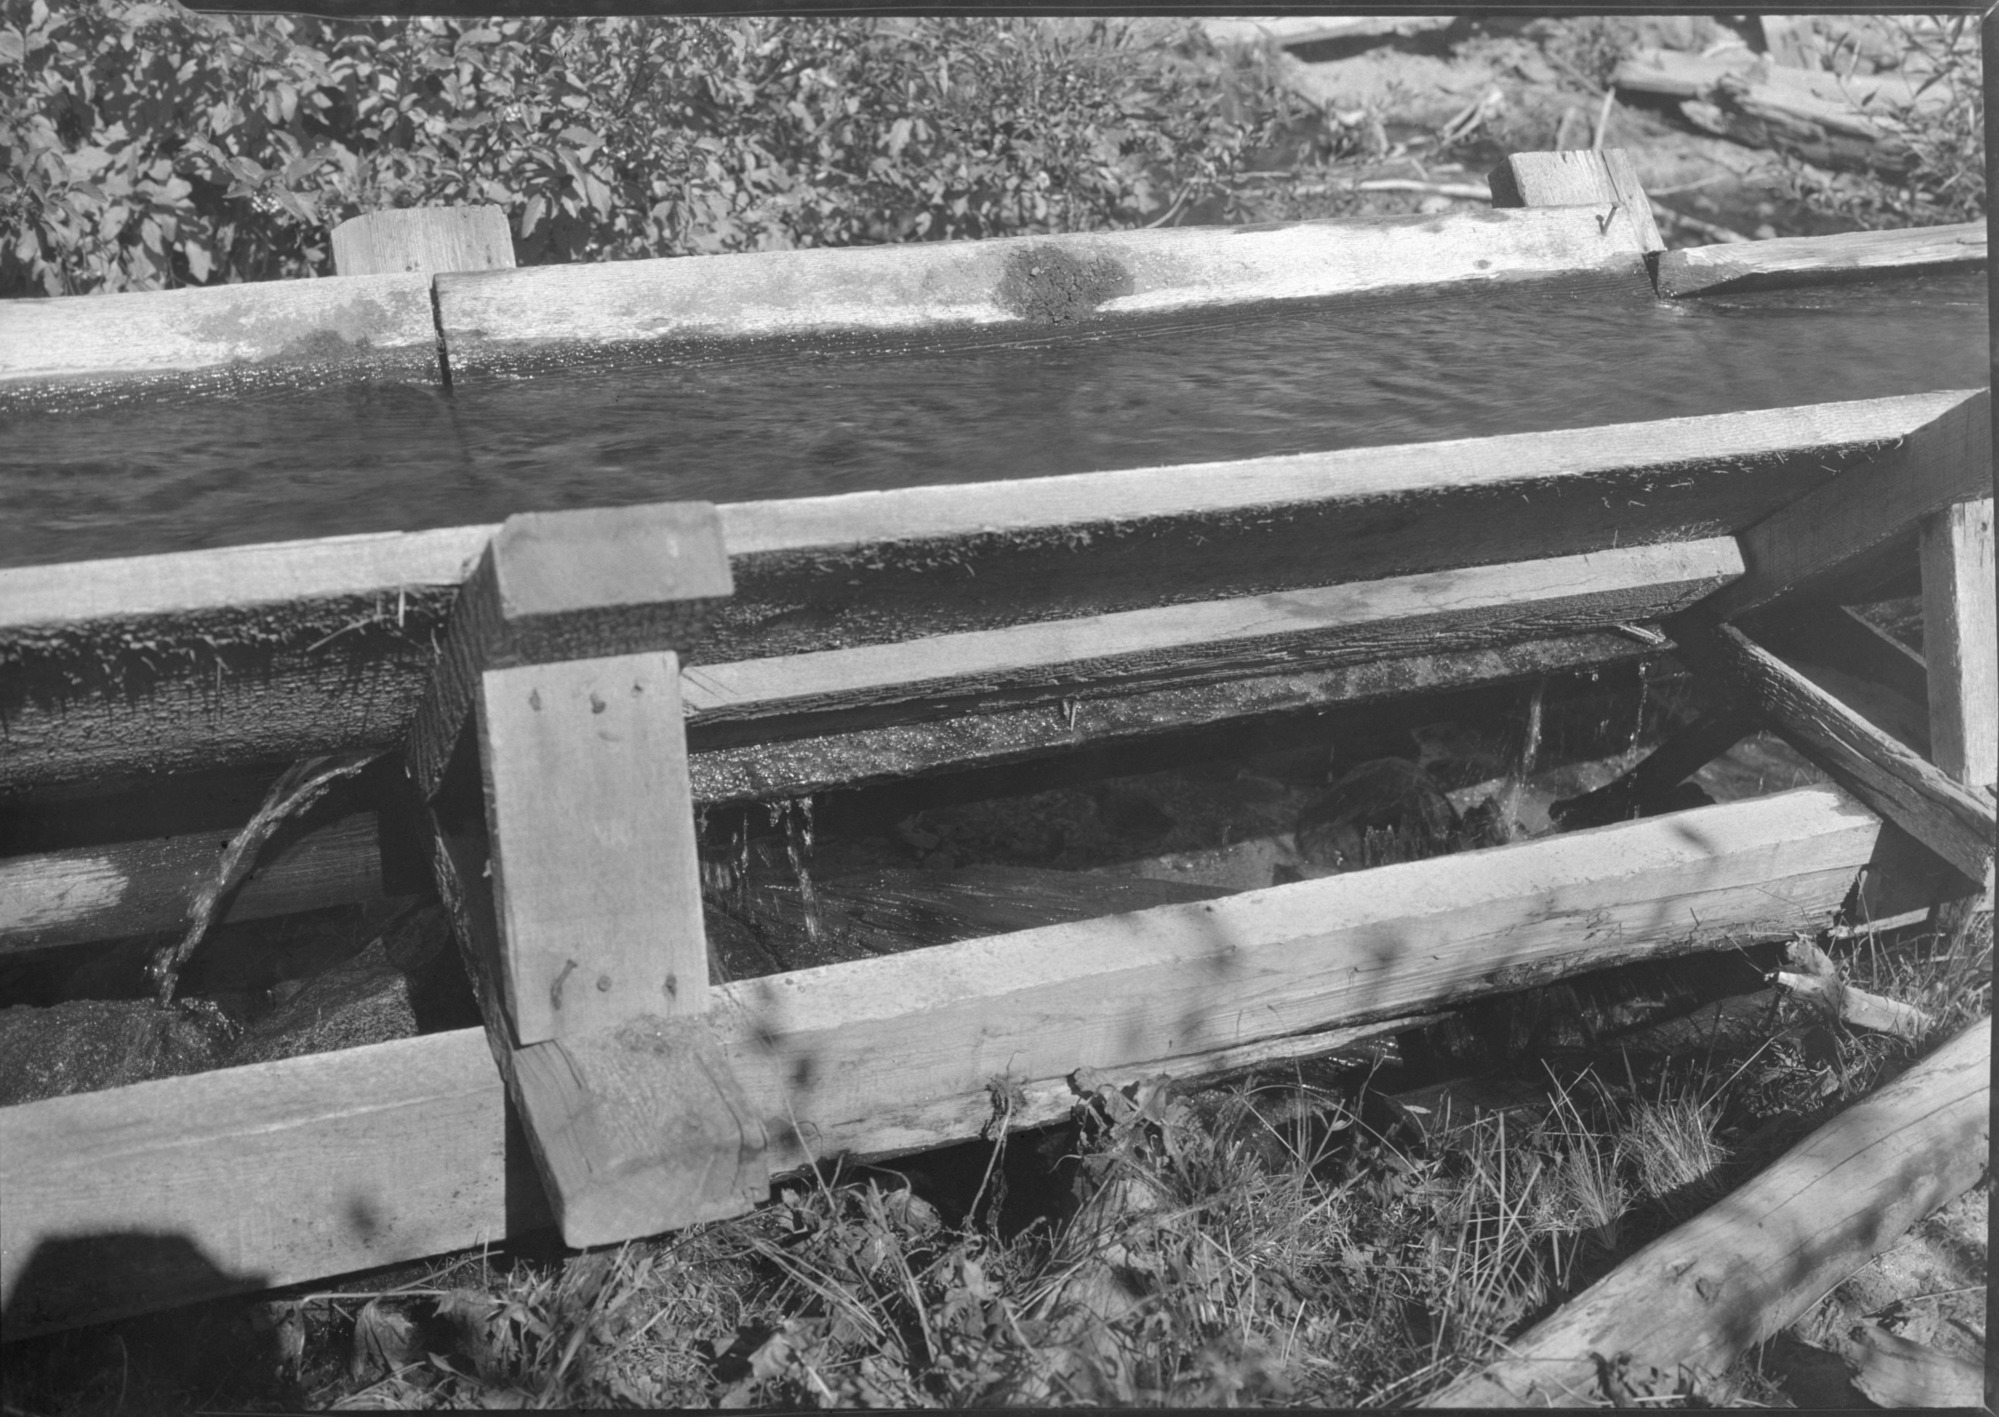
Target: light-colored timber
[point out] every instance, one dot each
(423, 241)
(1961, 641)
(1577, 178)
(190, 660)
(496, 320)
(1477, 607)
(1686, 1305)
(357, 325)
(313, 1166)
(1808, 260)
(133, 888)
(1948, 460)
(635, 1128)
(1856, 1006)
(1955, 822)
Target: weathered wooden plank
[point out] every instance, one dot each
(1839, 638)
(595, 875)
(1578, 178)
(423, 241)
(1108, 712)
(101, 893)
(1948, 460)
(1811, 260)
(287, 1171)
(1961, 637)
(149, 664)
(1480, 607)
(379, 323)
(555, 586)
(1686, 1305)
(1956, 823)
(634, 1129)
(1961, 641)
(493, 321)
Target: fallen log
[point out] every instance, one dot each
(1814, 260)
(1674, 1315)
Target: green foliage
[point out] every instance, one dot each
(149, 147)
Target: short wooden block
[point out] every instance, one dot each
(1576, 178)
(595, 875)
(555, 586)
(640, 1129)
(426, 240)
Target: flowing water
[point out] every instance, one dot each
(231, 460)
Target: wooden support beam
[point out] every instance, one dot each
(1577, 178)
(1961, 644)
(1447, 611)
(194, 660)
(1957, 824)
(587, 948)
(102, 893)
(288, 1171)
(1680, 1310)
(1813, 260)
(1949, 460)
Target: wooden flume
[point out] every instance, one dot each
(560, 740)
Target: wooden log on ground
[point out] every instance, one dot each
(942, 676)
(1814, 260)
(1577, 178)
(423, 241)
(374, 326)
(102, 893)
(193, 660)
(1678, 1312)
(1956, 823)
(1948, 460)
(288, 1171)
(498, 321)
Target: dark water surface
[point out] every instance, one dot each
(205, 469)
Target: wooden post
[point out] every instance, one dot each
(1961, 648)
(1577, 179)
(587, 948)
(426, 240)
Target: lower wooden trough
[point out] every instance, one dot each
(549, 703)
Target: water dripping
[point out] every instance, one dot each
(797, 819)
(1530, 749)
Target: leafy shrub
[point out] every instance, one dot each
(148, 146)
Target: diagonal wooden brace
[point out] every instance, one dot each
(569, 861)
(1955, 822)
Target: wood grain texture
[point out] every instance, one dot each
(288, 1171)
(423, 241)
(1810, 260)
(380, 323)
(1839, 638)
(1689, 1303)
(1961, 640)
(1953, 821)
(494, 321)
(595, 874)
(103, 893)
(558, 586)
(1948, 460)
(1481, 607)
(184, 661)
(637, 1128)
(1583, 178)
(1104, 713)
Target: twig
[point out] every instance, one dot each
(296, 789)
(1462, 191)
(1603, 118)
